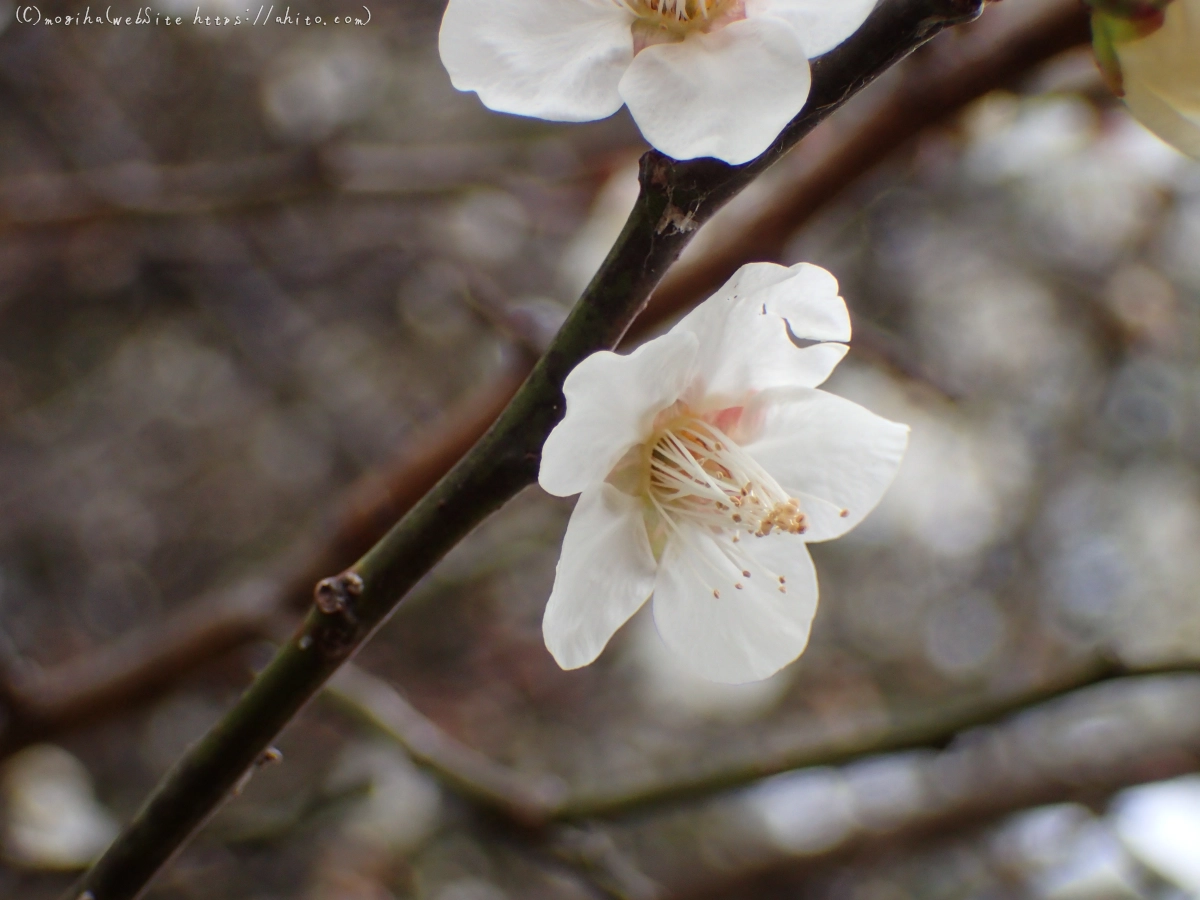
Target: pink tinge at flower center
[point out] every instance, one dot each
(667, 21)
(694, 473)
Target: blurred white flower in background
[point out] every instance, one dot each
(310, 91)
(700, 77)
(1149, 51)
(1160, 824)
(590, 245)
(671, 692)
(706, 460)
(51, 817)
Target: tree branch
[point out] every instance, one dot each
(527, 800)
(982, 777)
(539, 800)
(675, 198)
(846, 742)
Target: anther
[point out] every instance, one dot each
(716, 594)
(739, 585)
(745, 573)
(844, 513)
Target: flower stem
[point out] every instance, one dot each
(675, 199)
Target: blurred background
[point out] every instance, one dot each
(253, 278)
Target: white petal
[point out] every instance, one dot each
(1178, 126)
(739, 635)
(611, 404)
(835, 457)
(821, 24)
(726, 94)
(744, 342)
(1161, 75)
(605, 573)
(554, 59)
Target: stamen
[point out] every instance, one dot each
(700, 476)
(670, 13)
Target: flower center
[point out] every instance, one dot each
(665, 21)
(680, 11)
(692, 472)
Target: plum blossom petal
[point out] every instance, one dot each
(834, 456)
(1179, 128)
(553, 59)
(1149, 53)
(821, 24)
(727, 93)
(743, 331)
(729, 634)
(1161, 76)
(605, 573)
(611, 404)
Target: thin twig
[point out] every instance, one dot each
(523, 799)
(538, 800)
(675, 198)
(983, 777)
(847, 741)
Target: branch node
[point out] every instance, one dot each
(334, 597)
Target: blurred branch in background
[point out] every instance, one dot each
(860, 798)
(1080, 749)
(928, 88)
(146, 189)
(535, 801)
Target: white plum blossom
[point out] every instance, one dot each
(1150, 53)
(714, 78)
(704, 461)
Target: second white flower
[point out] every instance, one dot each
(716, 78)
